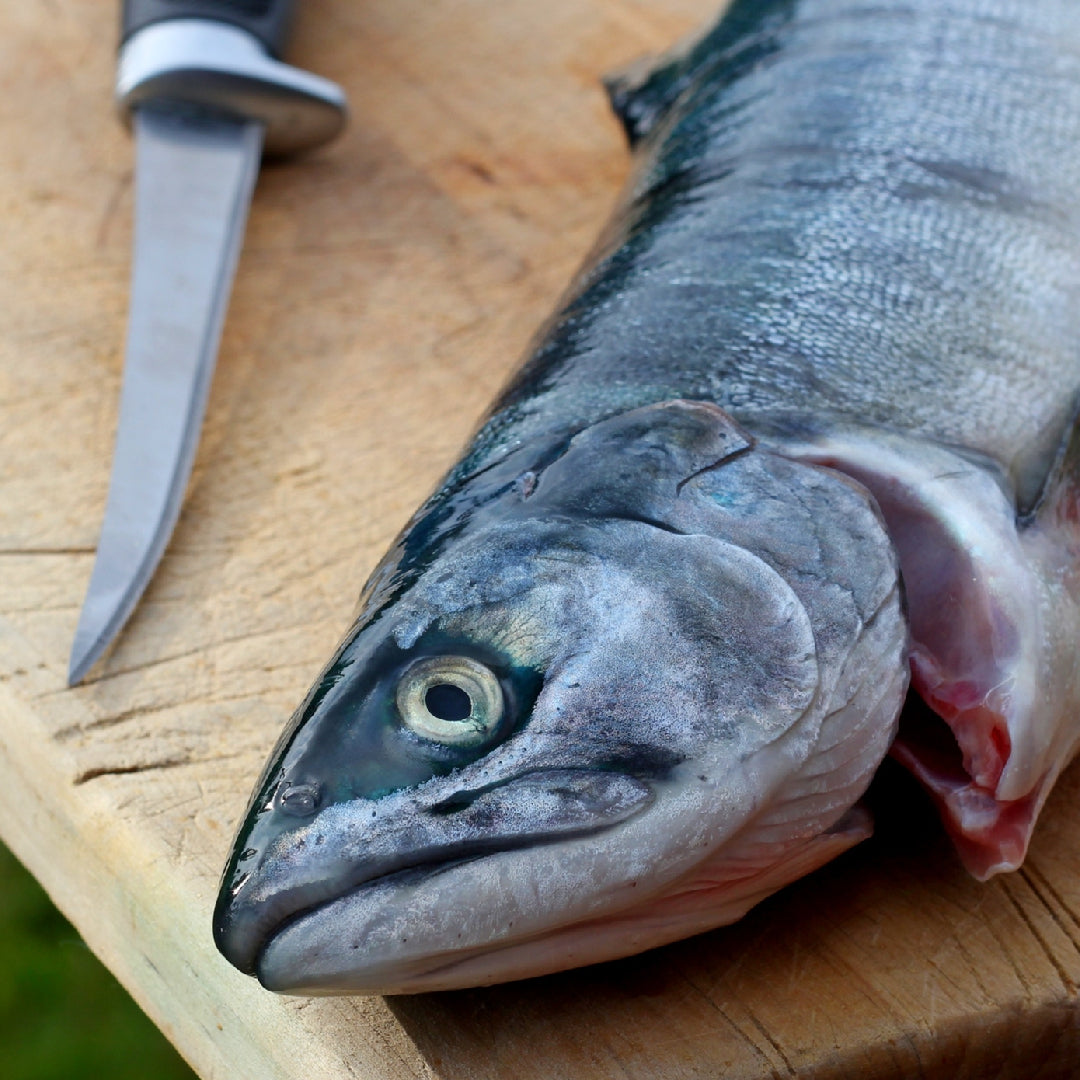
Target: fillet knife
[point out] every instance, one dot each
(201, 86)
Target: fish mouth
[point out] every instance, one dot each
(292, 884)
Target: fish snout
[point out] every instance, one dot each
(351, 845)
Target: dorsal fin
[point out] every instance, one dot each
(643, 91)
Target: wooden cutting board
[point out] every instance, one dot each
(387, 286)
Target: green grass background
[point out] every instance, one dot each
(62, 1015)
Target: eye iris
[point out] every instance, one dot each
(453, 700)
(448, 702)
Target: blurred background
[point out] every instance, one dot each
(62, 1014)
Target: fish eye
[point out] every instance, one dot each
(453, 700)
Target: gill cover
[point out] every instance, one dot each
(584, 677)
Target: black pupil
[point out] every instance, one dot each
(447, 702)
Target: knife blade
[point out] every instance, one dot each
(200, 85)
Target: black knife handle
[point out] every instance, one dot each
(267, 20)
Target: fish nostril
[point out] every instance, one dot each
(298, 800)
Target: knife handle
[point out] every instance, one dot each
(266, 20)
(219, 55)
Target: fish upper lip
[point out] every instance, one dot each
(243, 935)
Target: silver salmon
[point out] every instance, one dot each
(802, 432)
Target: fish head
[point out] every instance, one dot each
(569, 688)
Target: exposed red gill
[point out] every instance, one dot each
(958, 758)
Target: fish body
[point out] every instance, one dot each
(801, 429)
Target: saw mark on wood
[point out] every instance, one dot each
(49, 551)
(69, 732)
(203, 649)
(174, 762)
(878, 997)
(767, 1036)
(745, 1036)
(1026, 919)
(958, 943)
(1031, 870)
(922, 1074)
(1067, 980)
(122, 770)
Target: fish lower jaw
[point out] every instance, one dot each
(275, 977)
(244, 938)
(242, 928)
(715, 893)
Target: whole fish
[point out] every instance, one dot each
(803, 427)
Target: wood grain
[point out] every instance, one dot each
(387, 286)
